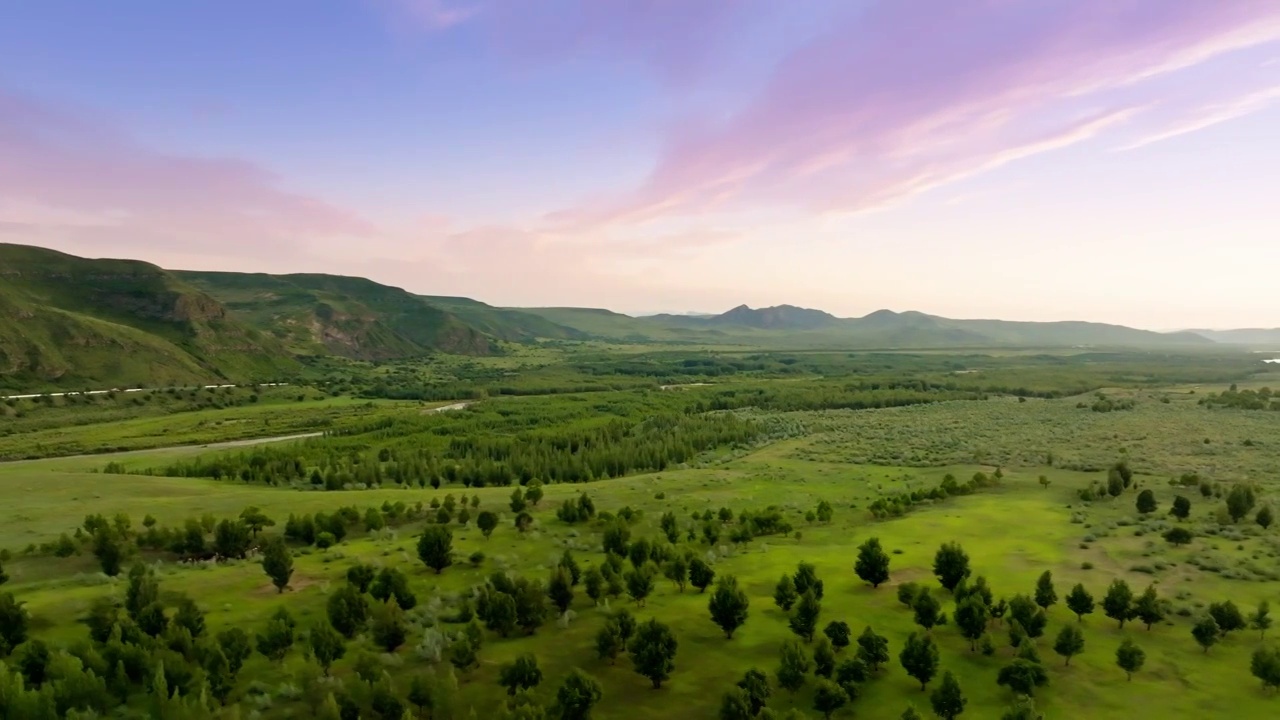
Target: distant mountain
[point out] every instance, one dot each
(501, 323)
(345, 316)
(1260, 337)
(88, 323)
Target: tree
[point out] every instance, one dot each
(487, 521)
(255, 520)
(393, 584)
(1260, 620)
(971, 616)
(677, 571)
(736, 705)
(1118, 602)
(435, 547)
(33, 662)
(609, 642)
(1181, 508)
(1148, 607)
(1046, 596)
(828, 698)
(700, 574)
(277, 562)
(108, 552)
(236, 647)
(277, 639)
(1030, 617)
(1206, 632)
(640, 582)
(653, 651)
(804, 622)
(873, 649)
(1178, 536)
(189, 617)
(873, 563)
(533, 492)
(420, 694)
(1240, 501)
(756, 685)
(388, 627)
(1265, 665)
(520, 674)
(911, 714)
(1264, 517)
(1115, 483)
(839, 633)
(1228, 616)
(1080, 602)
(793, 666)
(919, 657)
(1022, 676)
(518, 503)
(4, 577)
(784, 594)
(327, 645)
(1130, 658)
(951, 565)
(728, 605)
(360, 576)
(947, 699)
(577, 696)
(806, 579)
(347, 610)
(927, 609)
(560, 588)
(1146, 502)
(1070, 642)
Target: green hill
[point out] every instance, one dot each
(75, 322)
(504, 324)
(346, 316)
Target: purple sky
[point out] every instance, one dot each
(1112, 160)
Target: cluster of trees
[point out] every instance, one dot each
(900, 503)
(1262, 399)
(483, 447)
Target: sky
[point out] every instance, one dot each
(1107, 160)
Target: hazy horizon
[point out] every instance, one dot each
(1103, 160)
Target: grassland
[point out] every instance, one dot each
(1013, 531)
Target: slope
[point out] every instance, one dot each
(501, 323)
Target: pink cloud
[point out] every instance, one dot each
(1207, 116)
(85, 182)
(430, 15)
(913, 94)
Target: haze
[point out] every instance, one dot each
(1108, 160)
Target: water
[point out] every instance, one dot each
(1273, 360)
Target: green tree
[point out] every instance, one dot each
(235, 645)
(1264, 517)
(951, 565)
(736, 705)
(1265, 665)
(560, 588)
(361, 576)
(327, 645)
(255, 520)
(1130, 658)
(435, 547)
(520, 674)
(609, 642)
(828, 697)
(1206, 632)
(487, 521)
(1070, 642)
(756, 685)
(276, 640)
(1046, 596)
(533, 492)
(806, 579)
(189, 616)
(518, 503)
(4, 577)
(677, 571)
(391, 584)
(793, 666)
(700, 574)
(1022, 676)
(839, 633)
(1240, 501)
(1149, 608)
(927, 609)
(1181, 508)
(919, 657)
(1118, 603)
(872, 565)
(824, 659)
(1260, 620)
(277, 562)
(640, 582)
(1228, 616)
(653, 651)
(420, 695)
(670, 527)
(231, 539)
(1080, 602)
(971, 617)
(804, 622)
(578, 694)
(1146, 502)
(873, 649)
(728, 605)
(784, 594)
(1178, 536)
(947, 699)
(388, 628)
(347, 610)
(1028, 615)
(108, 552)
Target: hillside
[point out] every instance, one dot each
(345, 316)
(501, 323)
(1258, 337)
(76, 322)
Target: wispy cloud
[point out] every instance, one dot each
(429, 15)
(1209, 115)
